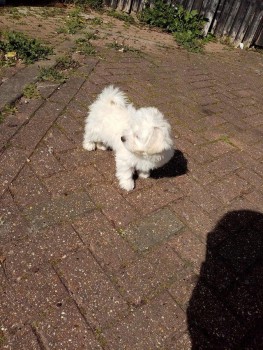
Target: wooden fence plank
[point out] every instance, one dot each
(189, 5)
(204, 7)
(250, 34)
(231, 17)
(241, 13)
(246, 23)
(141, 5)
(259, 38)
(114, 4)
(178, 2)
(209, 14)
(220, 25)
(127, 5)
(136, 5)
(197, 5)
(217, 18)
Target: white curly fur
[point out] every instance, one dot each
(140, 138)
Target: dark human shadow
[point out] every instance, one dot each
(175, 167)
(225, 310)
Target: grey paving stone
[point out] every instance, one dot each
(153, 229)
(57, 210)
(12, 88)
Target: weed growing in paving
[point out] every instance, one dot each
(94, 4)
(14, 13)
(74, 23)
(27, 49)
(85, 47)
(2, 118)
(60, 72)
(66, 62)
(48, 12)
(121, 16)
(96, 21)
(91, 36)
(51, 74)
(121, 47)
(7, 110)
(186, 26)
(31, 91)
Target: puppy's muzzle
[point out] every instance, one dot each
(123, 138)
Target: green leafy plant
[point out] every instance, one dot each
(14, 13)
(31, 91)
(91, 36)
(94, 4)
(96, 21)
(48, 12)
(122, 48)
(189, 41)
(85, 47)
(73, 24)
(2, 336)
(51, 74)
(66, 62)
(27, 49)
(8, 109)
(186, 26)
(121, 16)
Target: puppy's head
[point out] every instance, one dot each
(149, 133)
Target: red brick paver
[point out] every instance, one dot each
(174, 264)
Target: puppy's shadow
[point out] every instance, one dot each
(176, 166)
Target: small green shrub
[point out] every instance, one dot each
(189, 41)
(121, 16)
(27, 49)
(186, 26)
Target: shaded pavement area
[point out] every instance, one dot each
(177, 263)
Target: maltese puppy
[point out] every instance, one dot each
(140, 138)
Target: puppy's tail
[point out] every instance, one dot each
(113, 96)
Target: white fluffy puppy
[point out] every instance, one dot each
(140, 138)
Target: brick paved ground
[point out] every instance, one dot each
(174, 264)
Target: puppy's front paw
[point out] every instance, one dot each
(89, 146)
(127, 185)
(144, 174)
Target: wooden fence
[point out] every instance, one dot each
(239, 20)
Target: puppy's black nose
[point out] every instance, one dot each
(123, 139)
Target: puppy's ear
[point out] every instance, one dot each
(156, 142)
